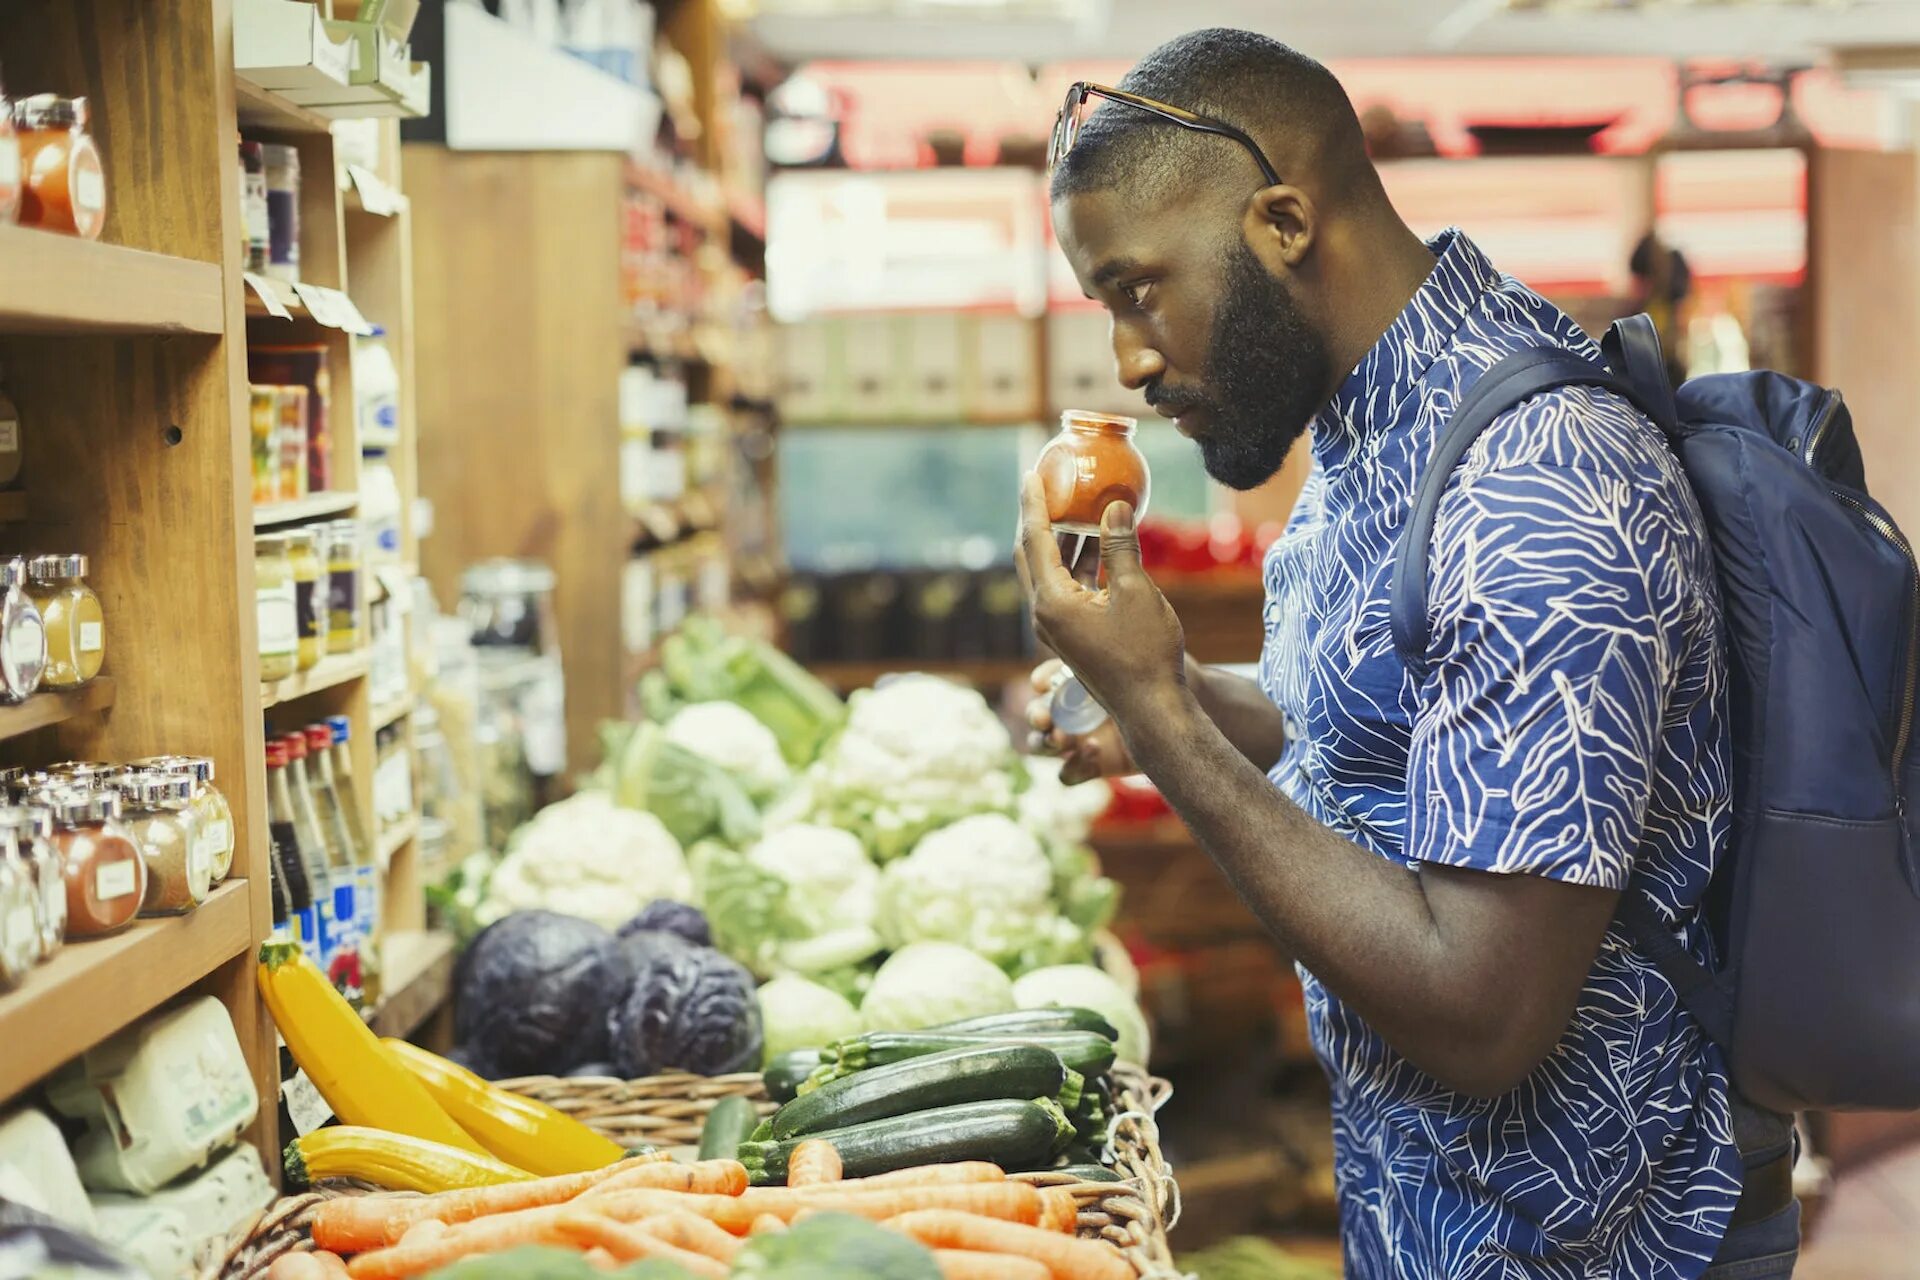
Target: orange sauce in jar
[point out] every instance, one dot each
(1092, 464)
(65, 187)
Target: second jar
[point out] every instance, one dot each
(70, 613)
(310, 607)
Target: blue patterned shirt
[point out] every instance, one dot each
(1572, 725)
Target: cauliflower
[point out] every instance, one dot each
(983, 882)
(587, 857)
(1057, 813)
(728, 735)
(801, 900)
(917, 753)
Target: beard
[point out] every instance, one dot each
(1264, 378)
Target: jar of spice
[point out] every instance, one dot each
(9, 164)
(343, 586)
(23, 635)
(159, 813)
(274, 607)
(19, 923)
(65, 187)
(1091, 464)
(76, 628)
(105, 872)
(210, 808)
(309, 600)
(27, 832)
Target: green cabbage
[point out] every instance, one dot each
(930, 983)
(798, 1014)
(702, 663)
(1081, 986)
(693, 797)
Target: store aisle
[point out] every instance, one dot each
(1871, 1231)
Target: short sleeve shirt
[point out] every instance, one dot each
(1571, 724)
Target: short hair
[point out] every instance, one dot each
(1272, 91)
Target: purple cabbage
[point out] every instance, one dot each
(531, 994)
(664, 915)
(690, 1009)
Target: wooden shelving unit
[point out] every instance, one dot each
(13, 506)
(331, 672)
(60, 284)
(314, 506)
(48, 708)
(397, 837)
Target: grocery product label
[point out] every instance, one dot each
(23, 927)
(9, 429)
(9, 165)
(27, 645)
(279, 622)
(218, 835)
(200, 865)
(269, 296)
(305, 1107)
(115, 880)
(306, 613)
(92, 637)
(89, 189)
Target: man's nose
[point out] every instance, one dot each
(1137, 363)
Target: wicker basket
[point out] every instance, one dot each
(667, 1111)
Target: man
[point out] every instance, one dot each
(1516, 1092)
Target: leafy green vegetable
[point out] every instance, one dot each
(834, 1246)
(695, 798)
(702, 663)
(929, 983)
(798, 1014)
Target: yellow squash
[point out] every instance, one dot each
(391, 1160)
(343, 1058)
(513, 1127)
(521, 1131)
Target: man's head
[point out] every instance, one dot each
(1229, 306)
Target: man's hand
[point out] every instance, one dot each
(1083, 757)
(1124, 642)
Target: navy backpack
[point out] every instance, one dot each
(1815, 905)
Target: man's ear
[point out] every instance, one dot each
(1281, 224)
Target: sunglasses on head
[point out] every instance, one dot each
(1074, 112)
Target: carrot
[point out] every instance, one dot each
(1070, 1259)
(297, 1266)
(708, 1178)
(600, 1259)
(354, 1224)
(692, 1232)
(1011, 1201)
(629, 1243)
(335, 1265)
(813, 1163)
(958, 1264)
(767, 1224)
(488, 1235)
(929, 1175)
(1059, 1211)
(424, 1230)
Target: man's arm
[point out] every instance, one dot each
(1242, 712)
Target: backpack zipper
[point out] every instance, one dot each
(1829, 410)
(1886, 530)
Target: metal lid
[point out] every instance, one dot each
(16, 819)
(64, 565)
(199, 768)
(342, 728)
(13, 571)
(153, 787)
(506, 577)
(83, 772)
(49, 111)
(269, 541)
(78, 806)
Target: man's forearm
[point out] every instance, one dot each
(1242, 711)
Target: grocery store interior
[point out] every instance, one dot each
(511, 653)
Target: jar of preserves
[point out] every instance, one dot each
(105, 872)
(23, 635)
(275, 609)
(210, 808)
(76, 628)
(19, 923)
(1091, 464)
(344, 568)
(309, 600)
(158, 809)
(27, 833)
(64, 186)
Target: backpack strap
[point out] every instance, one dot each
(1632, 349)
(1700, 990)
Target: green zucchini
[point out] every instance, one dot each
(727, 1126)
(1088, 1052)
(947, 1079)
(1089, 1172)
(1027, 1021)
(1009, 1133)
(784, 1074)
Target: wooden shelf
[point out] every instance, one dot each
(397, 837)
(63, 284)
(416, 979)
(846, 676)
(333, 670)
(386, 715)
(48, 708)
(13, 506)
(266, 111)
(90, 989)
(311, 507)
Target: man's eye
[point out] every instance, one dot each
(1136, 293)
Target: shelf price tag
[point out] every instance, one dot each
(269, 296)
(319, 303)
(376, 197)
(305, 1107)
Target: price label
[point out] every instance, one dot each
(376, 197)
(269, 296)
(305, 1107)
(319, 303)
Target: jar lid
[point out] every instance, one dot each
(49, 111)
(151, 787)
(1082, 418)
(18, 818)
(65, 565)
(13, 571)
(269, 542)
(505, 577)
(83, 772)
(308, 535)
(74, 806)
(199, 768)
(281, 155)
(342, 728)
(319, 737)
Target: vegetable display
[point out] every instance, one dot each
(587, 856)
(689, 1008)
(1083, 986)
(532, 991)
(392, 1160)
(798, 1014)
(929, 983)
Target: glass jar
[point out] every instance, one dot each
(253, 205)
(275, 608)
(509, 605)
(10, 454)
(1091, 464)
(76, 627)
(19, 923)
(210, 808)
(105, 872)
(65, 187)
(281, 165)
(23, 635)
(9, 164)
(344, 567)
(309, 602)
(158, 808)
(27, 833)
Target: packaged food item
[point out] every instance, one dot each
(23, 635)
(75, 626)
(380, 510)
(287, 860)
(309, 600)
(158, 810)
(282, 173)
(19, 923)
(263, 422)
(26, 833)
(211, 810)
(157, 1240)
(302, 365)
(1091, 464)
(65, 187)
(9, 164)
(214, 1203)
(253, 207)
(275, 608)
(105, 872)
(158, 1098)
(344, 572)
(290, 444)
(37, 1170)
(376, 391)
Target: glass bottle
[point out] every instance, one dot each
(309, 601)
(65, 187)
(348, 790)
(326, 880)
(70, 611)
(352, 865)
(106, 876)
(158, 809)
(326, 800)
(210, 808)
(275, 607)
(28, 832)
(344, 566)
(23, 635)
(283, 831)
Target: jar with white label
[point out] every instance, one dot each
(19, 923)
(159, 813)
(23, 635)
(210, 808)
(10, 456)
(106, 874)
(76, 627)
(275, 608)
(26, 833)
